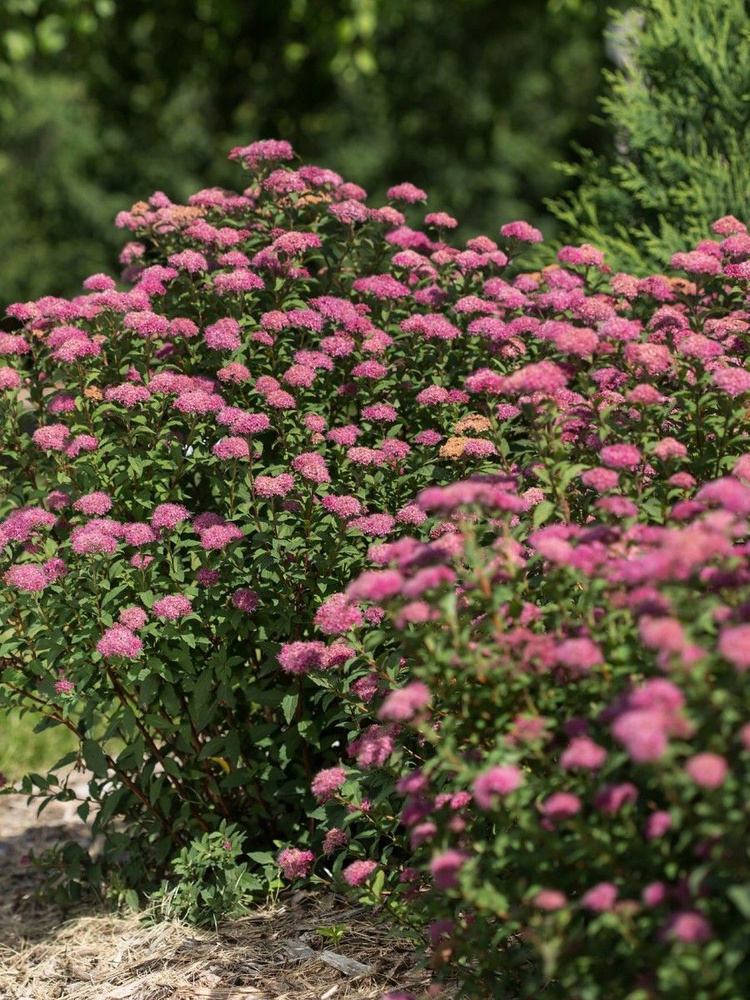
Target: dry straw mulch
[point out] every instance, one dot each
(275, 953)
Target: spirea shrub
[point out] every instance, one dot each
(427, 572)
(193, 460)
(549, 757)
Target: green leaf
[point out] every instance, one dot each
(94, 757)
(289, 706)
(542, 512)
(740, 896)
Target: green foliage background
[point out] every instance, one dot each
(102, 102)
(679, 115)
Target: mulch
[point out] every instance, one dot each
(274, 953)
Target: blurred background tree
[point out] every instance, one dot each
(678, 112)
(104, 101)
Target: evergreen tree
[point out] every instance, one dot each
(679, 113)
(103, 102)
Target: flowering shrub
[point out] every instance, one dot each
(193, 461)
(423, 569)
(550, 749)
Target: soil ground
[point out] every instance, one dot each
(92, 954)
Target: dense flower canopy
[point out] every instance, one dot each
(361, 525)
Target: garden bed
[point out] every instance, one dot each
(277, 952)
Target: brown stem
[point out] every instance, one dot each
(175, 781)
(111, 763)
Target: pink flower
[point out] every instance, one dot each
(373, 747)
(262, 151)
(53, 437)
(479, 448)
(198, 401)
(695, 262)
(119, 641)
(138, 534)
(498, 780)
(412, 513)
(344, 435)
(579, 654)
(446, 866)
(301, 657)
(99, 283)
(369, 369)
(93, 503)
(9, 378)
(687, 926)
(311, 465)
(273, 486)
(358, 872)
(642, 733)
(26, 577)
(231, 447)
(315, 423)
(365, 688)
(601, 898)
(374, 525)
(581, 256)
(189, 260)
(544, 376)
(560, 805)
(734, 645)
(428, 438)
(668, 448)
(223, 335)
(337, 615)
(611, 798)
(334, 840)
(127, 395)
(133, 618)
(245, 599)
(406, 192)
(295, 863)
(380, 412)
(172, 607)
(657, 824)
(550, 900)
(707, 770)
(365, 456)
(731, 380)
(169, 515)
(55, 569)
(402, 704)
(381, 286)
(620, 456)
(218, 536)
(522, 232)
(663, 634)
(654, 893)
(92, 538)
(327, 782)
(440, 219)
(583, 753)
(337, 654)
(234, 372)
(82, 442)
(376, 585)
(344, 507)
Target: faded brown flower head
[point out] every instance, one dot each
(473, 422)
(454, 447)
(140, 208)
